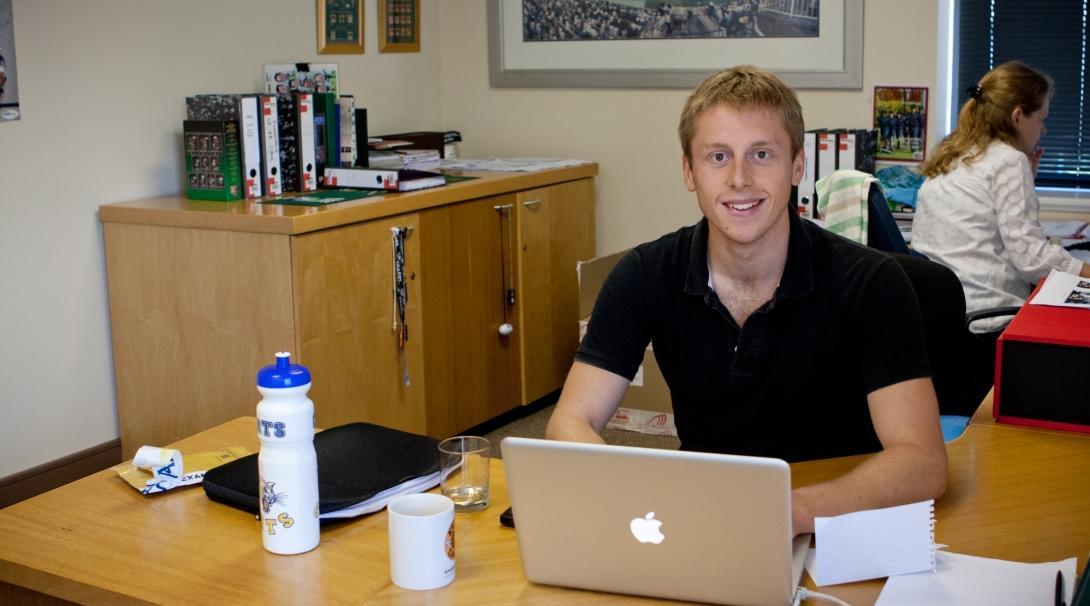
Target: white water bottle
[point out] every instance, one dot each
(287, 465)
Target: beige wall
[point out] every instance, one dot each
(102, 85)
(632, 133)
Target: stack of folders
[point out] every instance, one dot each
(361, 467)
(419, 159)
(829, 150)
(267, 144)
(402, 179)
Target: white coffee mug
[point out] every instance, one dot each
(421, 541)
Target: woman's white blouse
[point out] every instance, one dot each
(982, 221)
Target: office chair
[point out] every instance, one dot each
(962, 362)
(882, 230)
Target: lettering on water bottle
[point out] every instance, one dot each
(283, 519)
(270, 497)
(272, 429)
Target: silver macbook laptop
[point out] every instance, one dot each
(681, 525)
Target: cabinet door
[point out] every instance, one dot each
(556, 230)
(472, 369)
(345, 315)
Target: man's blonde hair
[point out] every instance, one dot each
(743, 87)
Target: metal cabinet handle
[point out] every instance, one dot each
(531, 203)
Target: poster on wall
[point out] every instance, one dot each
(900, 116)
(9, 88)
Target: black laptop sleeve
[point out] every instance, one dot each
(355, 462)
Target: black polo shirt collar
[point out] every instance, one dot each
(798, 273)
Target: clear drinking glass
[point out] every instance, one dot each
(464, 463)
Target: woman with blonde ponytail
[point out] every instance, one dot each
(977, 212)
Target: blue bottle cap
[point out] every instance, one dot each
(283, 373)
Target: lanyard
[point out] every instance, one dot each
(400, 297)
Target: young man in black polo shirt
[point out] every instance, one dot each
(776, 337)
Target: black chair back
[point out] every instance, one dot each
(962, 364)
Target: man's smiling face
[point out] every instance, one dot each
(742, 170)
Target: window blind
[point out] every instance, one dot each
(1051, 36)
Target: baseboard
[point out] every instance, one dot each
(512, 415)
(47, 476)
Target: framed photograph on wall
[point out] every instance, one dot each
(900, 117)
(815, 44)
(340, 27)
(9, 84)
(398, 26)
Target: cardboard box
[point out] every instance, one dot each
(1042, 361)
(648, 389)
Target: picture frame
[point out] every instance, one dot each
(9, 81)
(900, 117)
(340, 27)
(398, 26)
(831, 60)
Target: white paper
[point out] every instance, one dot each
(1062, 289)
(873, 543)
(509, 164)
(963, 580)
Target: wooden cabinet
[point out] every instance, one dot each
(472, 370)
(555, 231)
(202, 294)
(348, 330)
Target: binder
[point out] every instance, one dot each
(250, 133)
(806, 185)
(304, 120)
(826, 154)
(845, 150)
(212, 160)
(326, 147)
(270, 146)
(362, 149)
(286, 113)
(390, 180)
(347, 107)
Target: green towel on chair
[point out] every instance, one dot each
(842, 203)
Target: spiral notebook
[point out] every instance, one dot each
(874, 543)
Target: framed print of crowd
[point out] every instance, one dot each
(900, 117)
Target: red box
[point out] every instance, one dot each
(1042, 369)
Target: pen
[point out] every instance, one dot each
(1060, 588)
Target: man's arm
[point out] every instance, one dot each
(589, 399)
(911, 466)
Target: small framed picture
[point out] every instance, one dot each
(900, 117)
(398, 26)
(340, 27)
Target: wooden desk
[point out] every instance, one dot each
(1012, 494)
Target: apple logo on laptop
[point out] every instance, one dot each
(646, 529)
